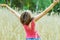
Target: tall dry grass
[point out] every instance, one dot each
(48, 27)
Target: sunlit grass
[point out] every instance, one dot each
(48, 27)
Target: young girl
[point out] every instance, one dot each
(29, 22)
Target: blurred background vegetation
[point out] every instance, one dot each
(33, 5)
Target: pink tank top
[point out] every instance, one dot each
(30, 31)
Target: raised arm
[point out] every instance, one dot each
(45, 11)
(13, 11)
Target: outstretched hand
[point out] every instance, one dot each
(3, 5)
(56, 1)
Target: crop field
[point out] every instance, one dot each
(48, 27)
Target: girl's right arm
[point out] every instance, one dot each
(46, 10)
(13, 11)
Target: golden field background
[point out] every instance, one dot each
(48, 27)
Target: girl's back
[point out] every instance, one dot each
(30, 30)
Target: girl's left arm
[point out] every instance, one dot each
(13, 11)
(45, 11)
